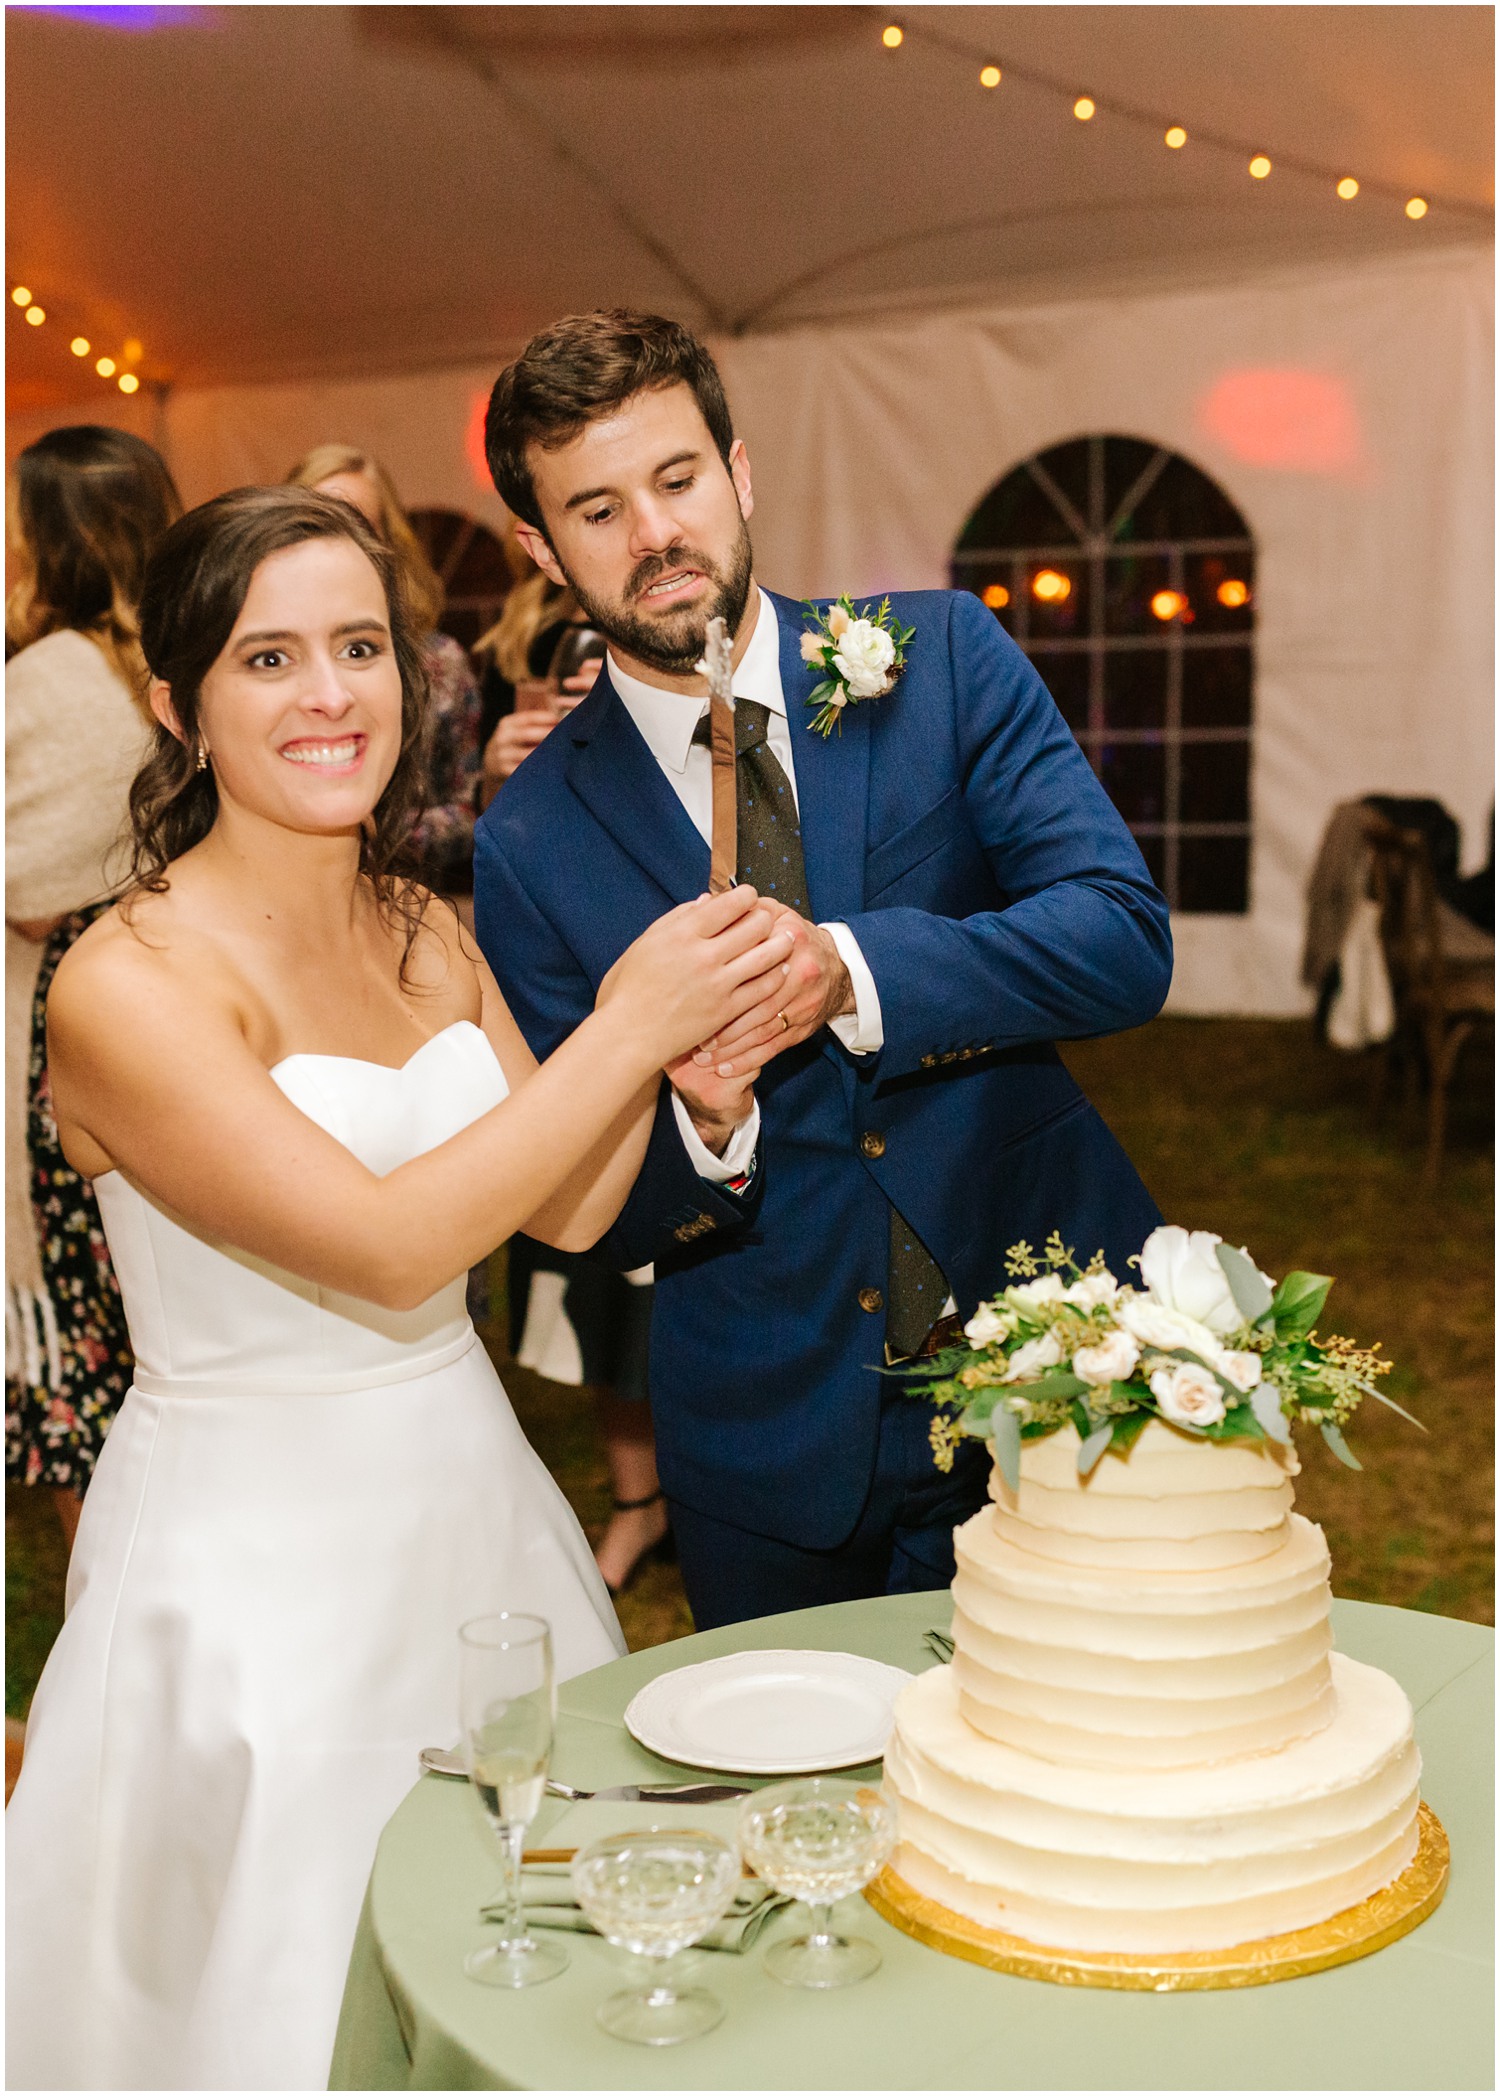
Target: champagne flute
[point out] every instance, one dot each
(654, 1894)
(508, 1704)
(818, 1840)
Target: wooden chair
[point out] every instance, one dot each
(1442, 971)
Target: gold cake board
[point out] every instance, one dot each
(1343, 1937)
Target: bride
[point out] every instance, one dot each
(306, 1112)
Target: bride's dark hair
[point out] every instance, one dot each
(194, 590)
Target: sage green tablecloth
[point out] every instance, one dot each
(1417, 2015)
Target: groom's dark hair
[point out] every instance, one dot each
(579, 369)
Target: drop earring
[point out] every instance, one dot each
(202, 764)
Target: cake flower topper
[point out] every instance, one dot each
(861, 655)
(1210, 1344)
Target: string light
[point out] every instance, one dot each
(989, 76)
(105, 367)
(1416, 207)
(1167, 604)
(997, 596)
(1348, 188)
(128, 382)
(1233, 595)
(21, 296)
(1260, 167)
(892, 36)
(35, 316)
(79, 345)
(1050, 587)
(1083, 108)
(1176, 138)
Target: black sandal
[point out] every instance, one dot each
(662, 1552)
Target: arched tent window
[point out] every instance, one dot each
(1128, 577)
(470, 562)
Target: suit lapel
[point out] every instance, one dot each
(833, 783)
(616, 777)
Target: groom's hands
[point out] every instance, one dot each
(813, 989)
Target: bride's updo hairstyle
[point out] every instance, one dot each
(195, 588)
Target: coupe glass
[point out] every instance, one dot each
(654, 1894)
(508, 1703)
(576, 645)
(818, 1840)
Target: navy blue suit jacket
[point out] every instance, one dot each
(1001, 904)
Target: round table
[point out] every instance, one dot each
(1417, 2015)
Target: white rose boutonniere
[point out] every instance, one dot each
(861, 655)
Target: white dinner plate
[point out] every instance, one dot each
(769, 1713)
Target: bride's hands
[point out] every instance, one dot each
(695, 971)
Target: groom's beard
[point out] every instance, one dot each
(674, 642)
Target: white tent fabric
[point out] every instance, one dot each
(1347, 413)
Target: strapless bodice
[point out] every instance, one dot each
(201, 1312)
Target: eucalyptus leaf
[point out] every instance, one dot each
(1058, 1382)
(1247, 1284)
(976, 1418)
(1391, 1402)
(1339, 1445)
(1094, 1447)
(1185, 1353)
(1126, 1428)
(1265, 1403)
(1298, 1304)
(1006, 1431)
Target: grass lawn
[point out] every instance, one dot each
(1247, 1127)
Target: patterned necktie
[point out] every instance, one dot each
(770, 858)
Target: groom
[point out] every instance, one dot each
(820, 1191)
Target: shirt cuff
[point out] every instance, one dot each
(737, 1157)
(863, 1032)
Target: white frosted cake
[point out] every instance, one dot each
(1144, 1742)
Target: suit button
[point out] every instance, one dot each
(871, 1299)
(872, 1145)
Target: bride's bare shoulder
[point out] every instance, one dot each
(443, 957)
(141, 964)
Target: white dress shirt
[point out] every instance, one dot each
(666, 720)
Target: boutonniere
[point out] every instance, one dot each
(861, 655)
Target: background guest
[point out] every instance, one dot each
(85, 507)
(570, 1320)
(443, 837)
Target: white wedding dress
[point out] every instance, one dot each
(301, 1500)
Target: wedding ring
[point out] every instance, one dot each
(786, 1024)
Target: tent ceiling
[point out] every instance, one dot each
(277, 192)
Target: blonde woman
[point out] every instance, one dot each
(442, 838)
(85, 506)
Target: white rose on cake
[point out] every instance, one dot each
(1153, 1325)
(1113, 1360)
(1092, 1291)
(1243, 1370)
(987, 1325)
(1033, 1357)
(1188, 1395)
(1030, 1295)
(1181, 1271)
(864, 658)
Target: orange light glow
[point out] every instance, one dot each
(1176, 138)
(21, 296)
(989, 76)
(1416, 207)
(1260, 167)
(1083, 108)
(997, 596)
(128, 382)
(1285, 418)
(105, 367)
(892, 36)
(79, 345)
(1348, 188)
(1233, 595)
(133, 351)
(1168, 604)
(35, 316)
(1050, 587)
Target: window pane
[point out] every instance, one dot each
(1215, 782)
(1057, 599)
(1220, 589)
(992, 577)
(1067, 678)
(1130, 582)
(1182, 503)
(1134, 775)
(1016, 513)
(1135, 687)
(1125, 460)
(1216, 687)
(1213, 875)
(1068, 465)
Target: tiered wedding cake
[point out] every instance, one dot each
(1144, 1742)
